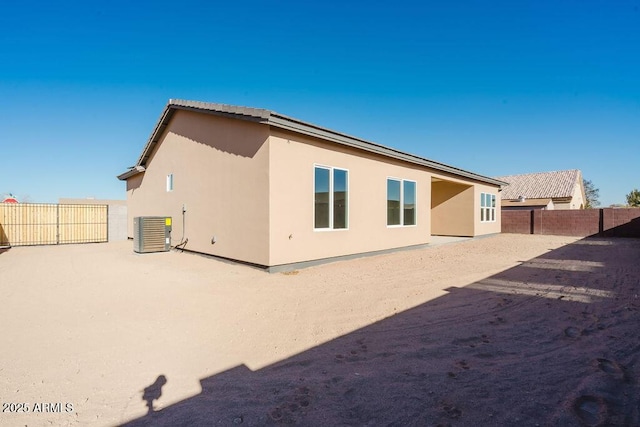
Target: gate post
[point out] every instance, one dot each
(57, 224)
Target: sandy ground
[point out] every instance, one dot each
(507, 330)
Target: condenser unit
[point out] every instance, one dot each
(151, 234)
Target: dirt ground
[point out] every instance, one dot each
(520, 330)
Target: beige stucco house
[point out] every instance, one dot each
(259, 187)
(544, 190)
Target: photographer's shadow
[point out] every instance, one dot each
(153, 392)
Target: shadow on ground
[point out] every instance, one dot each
(550, 342)
(631, 228)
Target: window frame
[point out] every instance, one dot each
(331, 170)
(487, 207)
(170, 182)
(402, 202)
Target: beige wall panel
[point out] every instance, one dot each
(254, 193)
(452, 206)
(293, 238)
(577, 201)
(562, 206)
(134, 200)
(220, 172)
(483, 228)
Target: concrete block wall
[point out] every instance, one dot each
(589, 222)
(576, 223)
(518, 222)
(621, 222)
(117, 222)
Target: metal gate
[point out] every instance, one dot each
(25, 224)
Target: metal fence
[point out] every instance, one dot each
(24, 224)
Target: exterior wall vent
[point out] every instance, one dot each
(151, 234)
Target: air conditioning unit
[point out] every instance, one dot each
(151, 234)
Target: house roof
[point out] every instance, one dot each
(526, 203)
(271, 118)
(542, 185)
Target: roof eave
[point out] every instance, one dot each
(287, 123)
(131, 172)
(283, 122)
(244, 113)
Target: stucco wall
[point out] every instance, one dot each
(562, 206)
(251, 187)
(452, 209)
(220, 173)
(492, 227)
(293, 238)
(577, 201)
(455, 207)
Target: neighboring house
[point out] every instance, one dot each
(256, 186)
(9, 199)
(544, 190)
(527, 204)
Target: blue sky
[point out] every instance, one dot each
(498, 88)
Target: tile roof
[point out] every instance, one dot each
(541, 185)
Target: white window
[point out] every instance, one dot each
(331, 198)
(401, 202)
(487, 207)
(170, 182)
